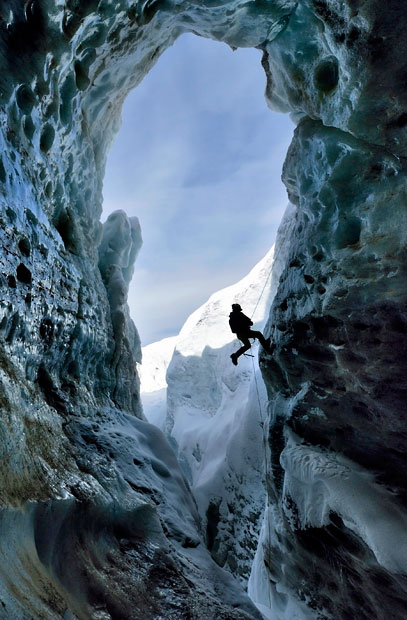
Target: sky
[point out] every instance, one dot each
(198, 160)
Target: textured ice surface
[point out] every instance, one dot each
(339, 320)
(84, 532)
(323, 482)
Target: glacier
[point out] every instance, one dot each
(215, 412)
(99, 519)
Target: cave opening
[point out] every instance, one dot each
(198, 160)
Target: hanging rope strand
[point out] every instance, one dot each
(266, 472)
(267, 465)
(263, 289)
(275, 256)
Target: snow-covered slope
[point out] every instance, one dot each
(153, 383)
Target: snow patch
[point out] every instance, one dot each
(322, 481)
(153, 384)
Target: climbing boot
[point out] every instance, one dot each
(233, 357)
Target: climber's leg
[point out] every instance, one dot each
(264, 343)
(246, 346)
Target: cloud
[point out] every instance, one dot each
(198, 160)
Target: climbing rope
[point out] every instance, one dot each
(264, 287)
(275, 256)
(266, 473)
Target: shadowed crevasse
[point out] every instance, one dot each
(73, 440)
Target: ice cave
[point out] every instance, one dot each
(106, 517)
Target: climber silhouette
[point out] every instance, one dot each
(240, 325)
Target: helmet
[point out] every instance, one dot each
(236, 307)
